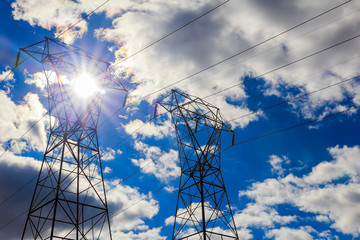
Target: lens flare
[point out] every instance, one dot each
(85, 85)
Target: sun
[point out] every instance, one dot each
(85, 85)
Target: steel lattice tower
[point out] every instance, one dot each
(69, 200)
(203, 210)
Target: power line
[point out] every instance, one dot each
(295, 98)
(287, 41)
(12, 70)
(12, 220)
(227, 59)
(83, 18)
(172, 32)
(260, 110)
(24, 212)
(18, 139)
(288, 64)
(56, 36)
(284, 66)
(17, 191)
(191, 76)
(320, 51)
(295, 126)
(238, 143)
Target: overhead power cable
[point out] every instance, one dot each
(227, 59)
(56, 36)
(24, 212)
(82, 19)
(293, 62)
(152, 118)
(285, 65)
(294, 126)
(18, 139)
(295, 98)
(12, 70)
(261, 75)
(171, 32)
(252, 47)
(238, 143)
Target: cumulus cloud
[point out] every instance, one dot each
(16, 119)
(52, 14)
(222, 33)
(108, 154)
(7, 76)
(229, 29)
(128, 207)
(257, 215)
(163, 165)
(285, 233)
(320, 191)
(158, 131)
(276, 164)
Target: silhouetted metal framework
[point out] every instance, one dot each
(69, 200)
(203, 210)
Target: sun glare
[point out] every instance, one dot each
(85, 85)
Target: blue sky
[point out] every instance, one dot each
(297, 184)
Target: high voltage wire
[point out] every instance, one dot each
(295, 98)
(123, 180)
(147, 46)
(251, 139)
(56, 36)
(284, 66)
(229, 58)
(261, 75)
(172, 32)
(142, 49)
(293, 62)
(18, 139)
(247, 50)
(238, 143)
(287, 41)
(243, 51)
(11, 71)
(82, 19)
(294, 126)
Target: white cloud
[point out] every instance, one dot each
(257, 215)
(149, 234)
(163, 165)
(128, 207)
(276, 164)
(232, 28)
(345, 164)
(38, 78)
(244, 234)
(16, 119)
(285, 233)
(107, 170)
(319, 192)
(229, 29)
(108, 154)
(53, 13)
(6, 76)
(159, 130)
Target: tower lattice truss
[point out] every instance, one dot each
(69, 200)
(203, 210)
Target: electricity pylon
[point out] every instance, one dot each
(69, 200)
(203, 210)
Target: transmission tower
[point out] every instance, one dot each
(69, 200)
(203, 210)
